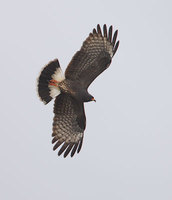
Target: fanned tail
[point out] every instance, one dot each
(49, 76)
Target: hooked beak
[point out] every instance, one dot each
(93, 99)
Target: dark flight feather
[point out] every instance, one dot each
(94, 31)
(115, 48)
(114, 38)
(68, 149)
(99, 29)
(74, 149)
(105, 30)
(110, 34)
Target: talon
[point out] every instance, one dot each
(53, 82)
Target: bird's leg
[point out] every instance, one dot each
(53, 82)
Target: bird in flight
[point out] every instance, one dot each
(70, 89)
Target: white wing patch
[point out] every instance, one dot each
(54, 91)
(58, 76)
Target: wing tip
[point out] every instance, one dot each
(110, 36)
(107, 33)
(116, 47)
(67, 148)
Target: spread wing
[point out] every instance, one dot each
(69, 124)
(94, 56)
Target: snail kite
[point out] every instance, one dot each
(70, 90)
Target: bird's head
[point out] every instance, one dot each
(88, 98)
(93, 99)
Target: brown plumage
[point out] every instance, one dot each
(70, 90)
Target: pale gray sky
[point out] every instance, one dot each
(127, 149)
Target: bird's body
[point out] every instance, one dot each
(76, 89)
(71, 89)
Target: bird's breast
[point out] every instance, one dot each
(73, 88)
(68, 87)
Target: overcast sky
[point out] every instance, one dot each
(127, 149)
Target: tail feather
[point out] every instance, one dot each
(51, 71)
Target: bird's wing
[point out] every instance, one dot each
(94, 56)
(68, 125)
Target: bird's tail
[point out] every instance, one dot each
(48, 81)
